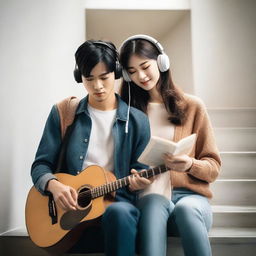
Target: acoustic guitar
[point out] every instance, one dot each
(50, 226)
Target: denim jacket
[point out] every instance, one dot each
(127, 146)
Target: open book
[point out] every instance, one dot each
(157, 147)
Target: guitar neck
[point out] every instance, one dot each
(120, 183)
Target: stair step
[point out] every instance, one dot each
(238, 165)
(235, 220)
(224, 242)
(234, 216)
(236, 139)
(233, 117)
(221, 246)
(233, 234)
(235, 242)
(233, 208)
(234, 192)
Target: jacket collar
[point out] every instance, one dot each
(121, 113)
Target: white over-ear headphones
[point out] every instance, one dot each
(162, 59)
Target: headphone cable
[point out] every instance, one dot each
(128, 110)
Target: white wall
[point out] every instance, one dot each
(224, 52)
(177, 45)
(38, 41)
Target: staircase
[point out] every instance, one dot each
(234, 201)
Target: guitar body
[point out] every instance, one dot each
(39, 223)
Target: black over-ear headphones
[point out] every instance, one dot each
(118, 68)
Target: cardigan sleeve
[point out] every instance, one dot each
(206, 163)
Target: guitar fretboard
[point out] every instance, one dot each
(113, 186)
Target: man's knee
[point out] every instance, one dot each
(121, 212)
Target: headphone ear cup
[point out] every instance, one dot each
(77, 75)
(126, 76)
(163, 62)
(118, 70)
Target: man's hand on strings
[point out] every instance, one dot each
(137, 182)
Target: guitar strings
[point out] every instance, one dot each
(88, 193)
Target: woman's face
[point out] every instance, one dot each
(143, 71)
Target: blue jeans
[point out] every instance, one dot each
(119, 223)
(116, 236)
(187, 215)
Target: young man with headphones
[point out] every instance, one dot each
(101, 136)
(177, 201)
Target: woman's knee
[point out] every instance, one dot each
(193, 210)
(186, 209)
(153, 202)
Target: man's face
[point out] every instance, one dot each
(100, 86)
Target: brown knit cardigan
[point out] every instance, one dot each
(205, 155)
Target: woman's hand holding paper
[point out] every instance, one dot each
(180, 163)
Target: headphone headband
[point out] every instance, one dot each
(145, 37)
(111, 47)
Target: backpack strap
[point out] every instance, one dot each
(67, 110)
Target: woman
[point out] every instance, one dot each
(173, 115)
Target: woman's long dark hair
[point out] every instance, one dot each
(171, 95)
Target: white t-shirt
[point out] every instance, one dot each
(160, 126)
(101, 144)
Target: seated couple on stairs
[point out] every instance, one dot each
(101, 197)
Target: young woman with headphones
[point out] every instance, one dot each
(99, 137)
(177, 202)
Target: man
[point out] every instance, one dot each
(106, 133)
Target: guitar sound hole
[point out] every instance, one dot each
(84, 197)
